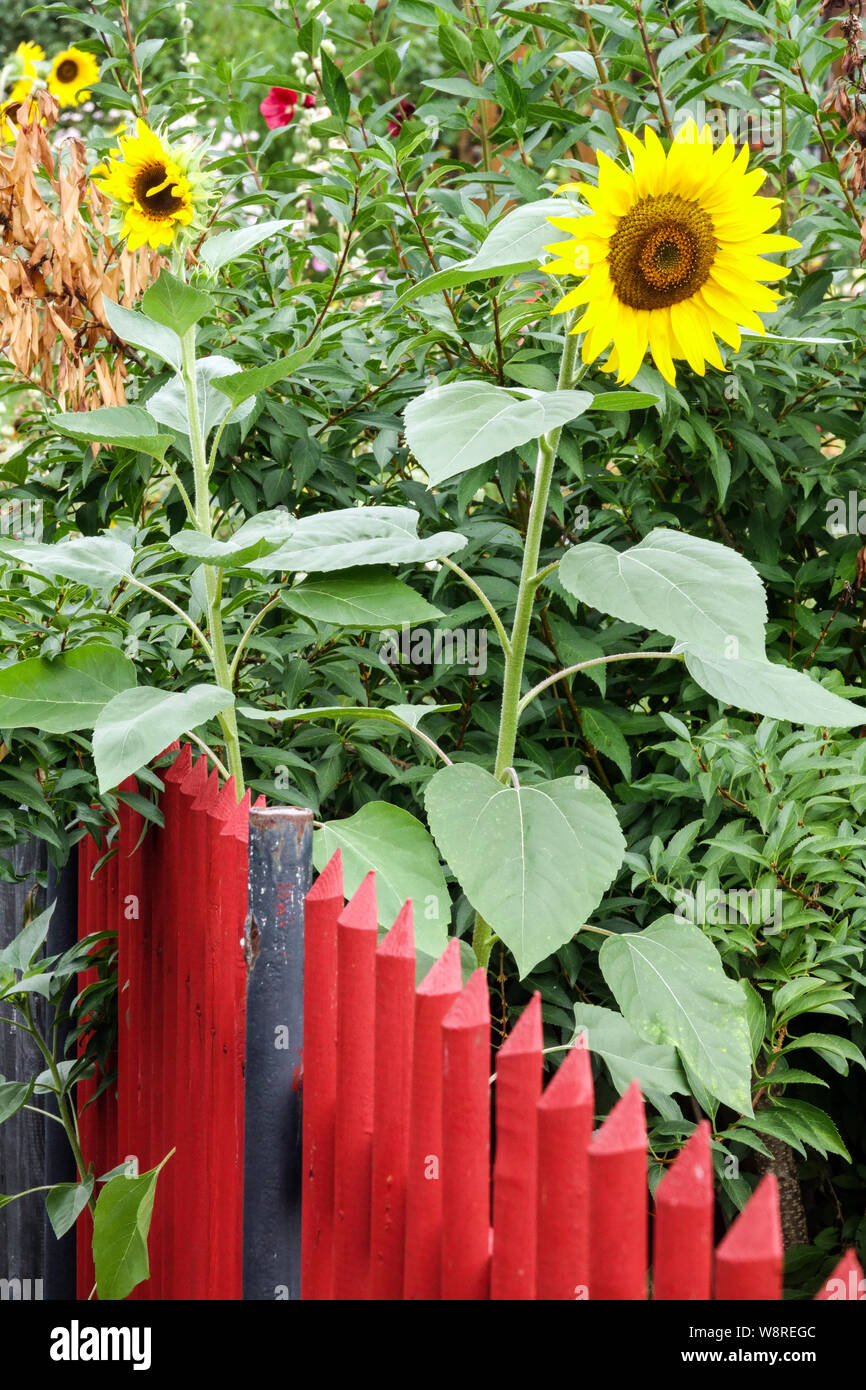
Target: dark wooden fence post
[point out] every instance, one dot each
(280, 874)
(32, 1151)
(59, 1162)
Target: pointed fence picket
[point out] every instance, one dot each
(177, 898)
(400, 1199)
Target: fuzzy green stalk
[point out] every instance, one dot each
(483, 938)
(213, 575)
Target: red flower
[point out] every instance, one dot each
(278, 107)
(402, 112)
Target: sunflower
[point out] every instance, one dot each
(671, 254)
(157, 188)
(27, 55)
(72, 72)
(14, 114)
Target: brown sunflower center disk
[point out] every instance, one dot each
(67, 71)
(661, 252)
(160, 203)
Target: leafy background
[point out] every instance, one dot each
(510, 102)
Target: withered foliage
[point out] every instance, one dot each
(847, 99)
(57, 260)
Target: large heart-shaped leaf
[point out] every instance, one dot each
(711, 600)
(98, 561)
(65, 693)
(138, 724)
(672, 988)
(259, 536)
(696, 590)
(359, 536)
(126, 425)
(771, 689)
(533, 861)
(395, 844)
(365, 598)
(452, 428)
(629, 1057)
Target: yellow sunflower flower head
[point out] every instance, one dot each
(72, 74)
(160, 190)
(24, 70)
(671, 254)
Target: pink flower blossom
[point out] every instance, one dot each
(278, 107)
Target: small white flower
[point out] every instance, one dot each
(328, 46)
(314, 144)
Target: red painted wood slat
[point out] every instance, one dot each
(749, 1258)
(515, 1169)
(353, 1135)
(423, 1254)
(846, 1284)
(395, 1009)
(565, 1114)
(466, 1144)
(324, 904)
(618, 1202)
(683, 1236)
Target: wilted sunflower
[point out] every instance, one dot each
(72, 71)
(14, 114)
(158, 188)
(671, 254)
(27, 55)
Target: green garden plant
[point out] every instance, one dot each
(419, 450)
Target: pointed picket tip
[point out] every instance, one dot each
(757, 1232)
(329, 884)
(170, 747)
(689, 1180)
(194, 782)
(571, 1086)
(849, 1274)
(472, 1008)
(209, 794)
(526, 1035)
(237, 822)
(400, 940)
(259, 802)
(227, 800)
(180, 768)
(360, 912)
(446, 976)
(624, 1130)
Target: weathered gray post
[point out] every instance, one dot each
(280, 874)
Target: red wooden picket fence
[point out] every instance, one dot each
(178, 900)
(398, 1183)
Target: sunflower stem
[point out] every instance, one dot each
(213, 575)
(483, 938)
